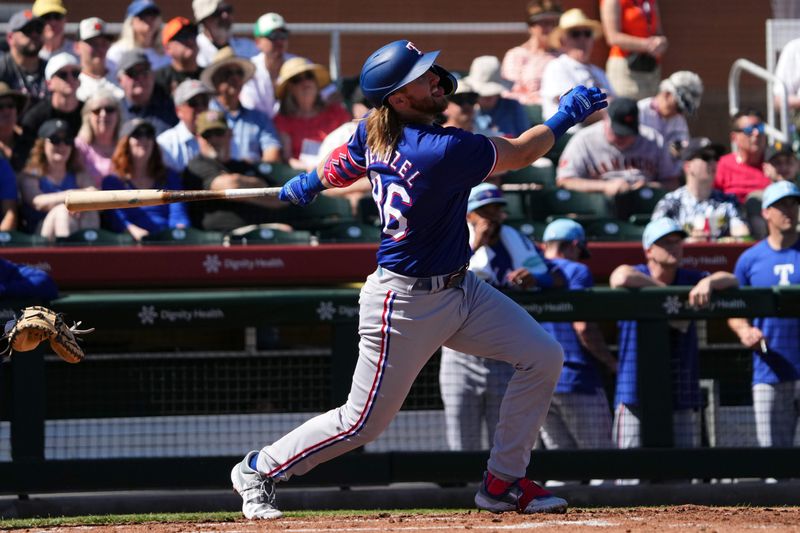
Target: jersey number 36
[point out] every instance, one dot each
(393, 222)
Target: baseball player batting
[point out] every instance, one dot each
(421, 296)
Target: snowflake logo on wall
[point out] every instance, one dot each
(326, 311)
(148, 314)
(672, 305)
(212, 264)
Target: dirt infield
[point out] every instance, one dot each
(677, 518)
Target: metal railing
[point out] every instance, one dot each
(743, 65)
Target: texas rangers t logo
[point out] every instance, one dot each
(783, 272)
(411, 46)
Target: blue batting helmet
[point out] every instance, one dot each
(396, 64)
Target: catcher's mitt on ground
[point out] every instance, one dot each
(37, 324)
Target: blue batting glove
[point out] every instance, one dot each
(301, 189)
(576, 106)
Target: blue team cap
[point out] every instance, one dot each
(484, 194)
(659, 228)
(565, 229)
(778, 191)
(137, 7)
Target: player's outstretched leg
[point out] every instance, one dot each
(522, 496)
(257, 491)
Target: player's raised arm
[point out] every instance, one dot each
(574, 107)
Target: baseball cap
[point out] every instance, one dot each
(624, 115)
(777, 148)
(59, 61)
(92, 27)
(132, 125)
(484, 194)
(174, 27)
(188, 89)
(54, 126)
(686, 87)
(131, 58)
(778, 191)
(210, 120)
(268, 23)
(700, 147)
(22, 19)
(43, 7)
(484, 76)
(565, 229)
(661, 227)
(137, 7)
(203, 9)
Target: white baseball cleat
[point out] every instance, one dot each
(257, 491)
(523, 496)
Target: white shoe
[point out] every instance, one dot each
(257, 491)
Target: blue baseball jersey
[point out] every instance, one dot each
(580, 373)
(8, 181)
(421, 189)
(683, 348)
(761, 266)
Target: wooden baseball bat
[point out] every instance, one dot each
(119, 199)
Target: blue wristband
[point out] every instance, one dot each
(559, 123)
(543, 281)
(313, 183)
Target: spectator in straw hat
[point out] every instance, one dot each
(11, 105)
(503, 115)
(54, 15)
(575, 36)
(22, 68)
(179, 38)
(254, 137)
(92, 48)
(304, 118)
(215, 19)
(272, 38)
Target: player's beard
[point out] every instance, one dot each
(430, 105)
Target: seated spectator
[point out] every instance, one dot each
(180, 43)
(461, 110)
(215, 169)
(504, 116)
(137, 164)
(780, 164)
(579, 415)
(24, 281)
(633, 31)
(575, 36)
(741, 172)
(97, 138)
(663, 247)
(254, 135)
(704, 213)
(304, 118)
(179, 144)
(54, 168)
(21, 68)
(11, 105)
(8, 197)
(143, 99)
(523, 65)
(272, 38)
(139, 32)
(54, 15)
(215, 18)
(614, 156)
(678, 96)
(62, 102)
(92, 49)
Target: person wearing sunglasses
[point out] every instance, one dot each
(178, 144)
(215, 20)
(704, 213)
(97, 138)
(179, 38)
(575, 37)
(524, 65)
(61, 75)
(92, 48)
(11, 105)
(140, 31)
(21, 68)
(54, 15)
(741, 172)
(254, 137)
(272, 38)
(137, 164)
(143, 98)
(54, 167)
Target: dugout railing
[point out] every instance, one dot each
(36, 385)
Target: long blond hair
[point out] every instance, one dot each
(383, 130)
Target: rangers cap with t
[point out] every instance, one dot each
(484, 194)
(661, 227)
(566, 229)
(778, 191)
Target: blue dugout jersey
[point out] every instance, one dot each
(761, 266)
